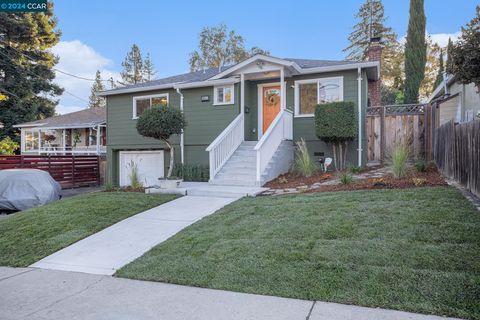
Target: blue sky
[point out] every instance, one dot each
(98, 34)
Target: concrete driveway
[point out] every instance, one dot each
(112, 248)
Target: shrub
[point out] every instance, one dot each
(161, 122)
(191, 172)
(8, 146)
(345, 177)
(421, 165)
(134, 176)
(304, 164)
(335, 124)
(418, 182)
(108, 186)
(354, 169)
(398, 160)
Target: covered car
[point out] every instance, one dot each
(22, 189)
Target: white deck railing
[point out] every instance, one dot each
(72, 150)
(222, 148)
(280, 129)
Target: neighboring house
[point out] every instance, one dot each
(460, 102)
(81, 132)
(242, 119)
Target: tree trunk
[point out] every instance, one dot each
(341, 164)
(345, 154)
(334, 147)
(172, 158)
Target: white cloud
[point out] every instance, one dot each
(440, 38)
(61, 109)
(81, 60)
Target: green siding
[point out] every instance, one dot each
(206, 121)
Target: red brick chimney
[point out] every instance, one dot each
(375, 86)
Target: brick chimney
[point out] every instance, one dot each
(375, 86)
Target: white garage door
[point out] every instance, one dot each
(149, 163)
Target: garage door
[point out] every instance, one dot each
(150, 166)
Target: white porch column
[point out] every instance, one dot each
(282, 89)
(39, 140)
(359, 81)
(22, 140)
(242, 102)
(98, 140)
(64, 143)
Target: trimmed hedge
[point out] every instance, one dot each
(161, 122)
(335, 121)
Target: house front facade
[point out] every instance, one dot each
(77, 133)
(242, 120)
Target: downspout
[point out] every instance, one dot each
(182, 145)
(359, 80)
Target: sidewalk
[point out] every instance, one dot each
(48, 294)
(112, 248)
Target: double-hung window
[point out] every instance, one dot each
(309, 93)
(32, 140)
(140, 104)
(223, 95)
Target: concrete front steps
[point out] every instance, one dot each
(240, 169)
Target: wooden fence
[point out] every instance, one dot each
(457, 153)
(388, 125)
(68, 170)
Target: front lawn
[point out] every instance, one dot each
(414, 249)
(33, 234)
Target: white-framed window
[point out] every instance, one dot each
(142, 103)
(223, 95)
(31, 139)
(309, 93)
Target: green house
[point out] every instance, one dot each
(243, 119)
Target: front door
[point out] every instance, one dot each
(270, 105)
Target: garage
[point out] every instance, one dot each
(150, 165)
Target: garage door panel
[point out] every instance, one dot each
(150, 165)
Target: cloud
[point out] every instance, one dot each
(440, 38)
(61, 109)
(81, 60)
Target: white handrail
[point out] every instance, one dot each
(280, 129)
(222, 148)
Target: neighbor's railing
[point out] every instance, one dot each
(280, 129)
(222, 148)
(87, 150)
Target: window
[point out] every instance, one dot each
(223, 95)
(309, 93)
(32, 140)
(140, 104)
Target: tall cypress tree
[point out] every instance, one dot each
(370, 23)
(148, 68)
(441, 70)
(415, 51)
(449, 56)
(94, 100)
(133, 66)
(26, 68)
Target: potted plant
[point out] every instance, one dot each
(161, 122)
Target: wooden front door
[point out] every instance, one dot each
(270, 105)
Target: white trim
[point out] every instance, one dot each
(359, 83)
(135, 98)
(215, 95)
(136, 89)
(206, 83)
(28, 125)
(254, 58)
(342, 67)
(182, 138)
(297, 84)
(260, 87)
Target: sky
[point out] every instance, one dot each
(98, 34)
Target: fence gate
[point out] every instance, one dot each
(388, 125)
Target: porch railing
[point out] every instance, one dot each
(222, 148)
(281, 129)
(89, 150)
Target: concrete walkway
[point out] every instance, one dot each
(112, 248)
(48, 294)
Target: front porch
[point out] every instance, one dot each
(64, 141)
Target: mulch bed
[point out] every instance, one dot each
(292, 180)
(413, 179)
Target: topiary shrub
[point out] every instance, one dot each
(161, 122)
(335, 124)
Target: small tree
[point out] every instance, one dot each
(335, 124)
(465, 57)
(161, 122)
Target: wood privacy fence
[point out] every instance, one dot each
(388, 125)
(457, 153)
(68, 170)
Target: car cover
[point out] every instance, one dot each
(21, 189)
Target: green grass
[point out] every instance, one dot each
(28, 236)
(415, 250)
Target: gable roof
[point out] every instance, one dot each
(214, 74)
(81, 119)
